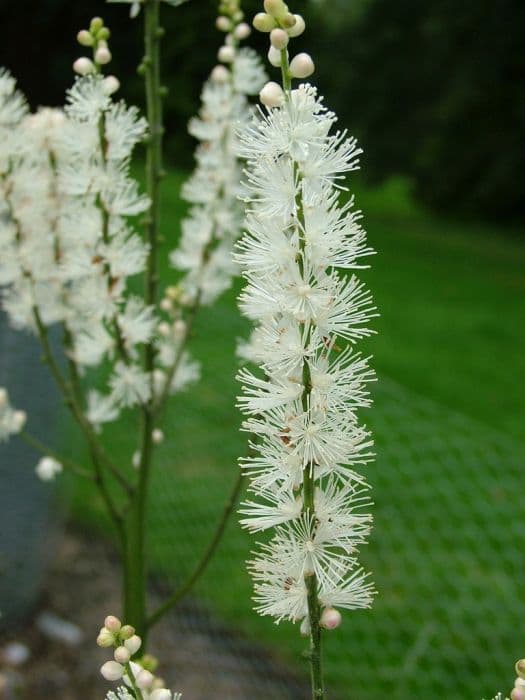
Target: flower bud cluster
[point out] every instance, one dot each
(304, 399)
(134, 674)
(11, 420)
(96, 38)
(282, 25)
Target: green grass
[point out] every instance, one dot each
(444, 551)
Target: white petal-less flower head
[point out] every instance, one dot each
(48, 468)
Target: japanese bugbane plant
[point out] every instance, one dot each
(302, 405)
(75, 229)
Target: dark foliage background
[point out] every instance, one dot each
(434, 90)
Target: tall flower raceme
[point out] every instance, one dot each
(303, 403)
(214, 222)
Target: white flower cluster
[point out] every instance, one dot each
(215, 218)
(133, 674)
(11, 420)
(302, 404)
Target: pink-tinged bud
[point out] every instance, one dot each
(330, 619)
(102, 55)
(105, 638)
(112, 671)
(298, 28)
(272, 95)
(279, 39)
(83, 66)
(220, 74)
(133, 644)
(160, 694)
(275, 8)
(223, 24)
(126, 632)
(226, 54)
(274, 56)
(517, 694)
(242, 31)
(112, 623)
(111, 84)
(263, 22)
(85, 38)
(122, 655)
(144, 679)
(157, 436)
(301, 66)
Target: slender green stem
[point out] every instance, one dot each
(205, 559)
(49, 452)
(135, 688)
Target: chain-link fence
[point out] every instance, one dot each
(446, 555)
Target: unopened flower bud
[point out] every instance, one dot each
(3, 398)
(242, 31)
(105, 638)
(301, 66)
(85, 38)
(520, 668)
(47, 468)
(166, 304)
(112, 671)
(220, 74)
(157, 436)
(133, 644)
(126, 632)
(103, 34)
(179, 327)
(288, 20)
(223, 24)
(274, 56)
(160, 694)
(83, 66)
(520, 683)
(330, 619)
(96, 24)
(517, 694)
(111, 84)
(298, 28)
(144, 679)
(122, 655)
(102, 55)
(276, 8)
(226, 54)
(19, 420)
(279, 39)
(112, 623)
(272, 95)
(164, 329)
(135, 460)
(263, 22)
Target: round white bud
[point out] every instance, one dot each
(274, 56)
(135, 460)
(519, 683)
(157, 436)
(122, 655)
(3, 398)
(144, 679)
(263, 22)
(18, 420)
(279, 39)
(133, 644)
(166, 304)
(272, 95)
(242, 31)
(102, 55)
(179, 327)
(47, 468)
(223, 24)
(226, 54)
(111, 84)
(83, 66)
(298, 28)
(160, 694)
(330, 619)
(112, 671)
(517, 694)
(301, 66)
(112, 623)
(105, 638)
(85, 38)
(220, 74)
(164, 329)
(275, 7)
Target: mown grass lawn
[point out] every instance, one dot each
(452, 302)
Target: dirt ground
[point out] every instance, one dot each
(199, 657)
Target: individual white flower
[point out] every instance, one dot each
(137, 322)
(100, 409)
(130, 385)
(11, 421)
(47, 468)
